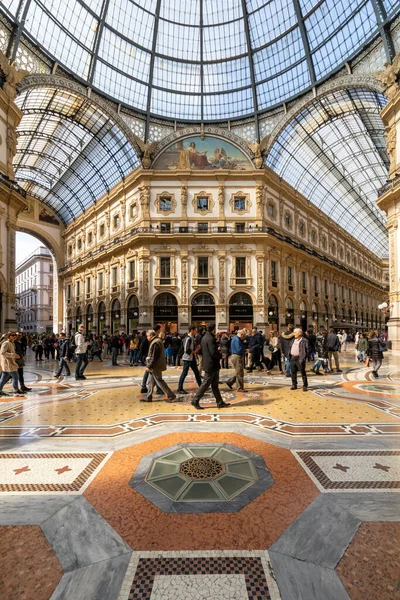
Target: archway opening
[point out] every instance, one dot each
(115, 316)
(303, 315)
(36, 289)
(101, 318)
(166, 312)
(289, 316)
(89, 318)
(273, 313)
(203, 309)
(133, 314)
(240, 311)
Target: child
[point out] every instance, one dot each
(169, 354)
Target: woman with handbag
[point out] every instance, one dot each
(374, 352)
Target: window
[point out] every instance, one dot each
(114, 276)
(271, 210)
(165, 270)
(304, 280)
(239, 203)
(69, 292)
(102, 230)
(240, 227)
(302, 229)
(326, 289)
(78, 289)
(274, 271)
(79, 244)
(88, 285)
(240, 269)
(288, 220)
(101, 282)
(50, 268)
(324, 242)
(335, 290)
(315, 285)
(350, 295)
(343, 292)
(132, 211)
(202, 227)
(90, 237)
(132, 270)
(166, 203)
(290, 275)
(116, 221)
(202, 203)
(165, 228)
(202, 267)
(313, 236)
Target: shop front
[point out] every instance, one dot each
(89, 318)
(165, 312)
(240, 312)
(203, 310)
(115, 316)
(273, 313)
(101, 318)
(133, 314)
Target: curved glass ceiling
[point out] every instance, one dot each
(69, 152)
(201, 59)
(334, 152)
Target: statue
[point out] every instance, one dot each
(13, 76)
(389, 77)
(257, 149)
(147, 151)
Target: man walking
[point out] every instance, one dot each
(114, 344)
(299, 351)
(81, 353)
(237, 358)
(285, 340)
(156, 364)
(189, 359)
(333, 345)
(255, 342)
(211, 367)
(63, 351)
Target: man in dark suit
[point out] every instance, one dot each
(211, 367)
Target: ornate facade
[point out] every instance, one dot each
(235, 247)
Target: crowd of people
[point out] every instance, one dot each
(202, 350)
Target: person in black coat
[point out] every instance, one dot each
(63, 352)
(211, 367)
(374, 352)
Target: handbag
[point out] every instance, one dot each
(271, 348)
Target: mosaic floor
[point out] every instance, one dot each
(284, 495)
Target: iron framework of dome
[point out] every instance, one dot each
(232, 58)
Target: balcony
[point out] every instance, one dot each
(133, 284)
(238, 282)
(114, 289)
(199, 282)
(161, 282)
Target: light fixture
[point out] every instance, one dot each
(117, 316)
(135, 314)
(271, 313)
(222, 313)
(261, 313)
(143, 314)
(303, 316)
(101, 317)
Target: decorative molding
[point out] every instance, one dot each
(211, 203)
(166, 196)
(242, 196)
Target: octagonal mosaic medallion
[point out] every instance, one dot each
(201, 478)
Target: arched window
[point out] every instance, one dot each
(241, 299)
(165, 299)
(203, 299)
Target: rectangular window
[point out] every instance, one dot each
(240, 227)
(290, 275)
(326, 287)
(315, 285)
(78, 289)
(165, 270)
(50, 268)
(335, 290)
(202, 227)
(132, 270)
(202, 203)
(102, 230)
(240, 269)
(350, 295)
(166, 203)
(239, 203)
(68, 292)
(101, 282)
(88, 285)
(304, 280)
(202, 267)
(342, 292)
(116, 221)
(165, 227)
(274, 271)
(271, 210)
(114, 276)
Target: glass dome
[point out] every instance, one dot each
(201, 60)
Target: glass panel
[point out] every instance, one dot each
(171, 486)
(227, 456)
(232, 486)
(203, 451)
(201, 491)
(244, 469)
(161, 468)
(178, 455)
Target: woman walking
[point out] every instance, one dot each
(9, 365)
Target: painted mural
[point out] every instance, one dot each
(205, 154)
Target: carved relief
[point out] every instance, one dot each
(389, 77)
(184, 264)
(390, 135)
(13, 76)
(222, 275)
(260, 281)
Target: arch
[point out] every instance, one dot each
(93, 153)
(203, 299)
(272, 300)
(241, 299)
(116, 305)
(210, 130)
(289, 303)
(340, 83)
(133, 301)
(165, 299)
(303, 306)
(101, 307)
